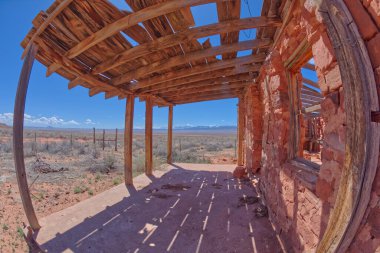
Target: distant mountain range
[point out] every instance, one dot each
(175, 128)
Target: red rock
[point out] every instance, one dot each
(366, 26)
(323, 190)
(239, 172)
(374, 50)
(323, 53)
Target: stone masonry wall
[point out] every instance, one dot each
(300, 204)
(253, 129)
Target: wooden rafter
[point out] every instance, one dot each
(180, 37)
(131, 20)
(198, 70)
(205, 98)
(183, 59)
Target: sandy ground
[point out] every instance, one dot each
(188, 208)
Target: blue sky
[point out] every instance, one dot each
(49, 102)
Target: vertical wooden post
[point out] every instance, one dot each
(170, 135)
(240, 161)
(148, 137)
(93, 135)
(128, 140)
(104, 136)
(18, 137)
(71, 141)
(116, 140)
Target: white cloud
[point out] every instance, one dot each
(89, 122)
(30, 120)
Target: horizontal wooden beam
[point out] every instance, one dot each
(311, 92)
(309, 66)
(311, 108)
(131, 20)
(193, 56)
(198, 70)
(181, 37)
(310, 82)
(218, 75)
(207, 90)
(205, 98)
(206, 83)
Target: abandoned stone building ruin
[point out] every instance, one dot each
(312, 146)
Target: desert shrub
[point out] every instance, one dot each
(6, 147)
(213, 147)
(139, 163)
(95, 153)
(109, 162)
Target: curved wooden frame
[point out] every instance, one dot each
(362, 135)
(18, 137)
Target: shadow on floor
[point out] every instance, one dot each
(167, 216)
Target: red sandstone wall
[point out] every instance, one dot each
(253, 129)
(366, 14)
(300, 204)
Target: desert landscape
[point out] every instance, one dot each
(65, 167)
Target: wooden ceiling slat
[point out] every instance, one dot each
(180, 37)
(229, 10)
(190, 80)
(131, 20)
(205, 98)
(182, 59)
(198, 70)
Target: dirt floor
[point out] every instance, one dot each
(186, 208)
(80, 170)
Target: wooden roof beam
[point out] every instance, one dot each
(225, 74)
(310, 82)
(183, 59)
(205, 98)
(259, 58)
(206, 83)
(183, 36)
(131, 20)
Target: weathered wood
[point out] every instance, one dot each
(362, 135)
(116, 139)
(199, 70)
(311, 83)
(205, 98)
(183, 59)
(181, 37)
(230, 74)
(131, 20)
(311, 109)
(46, 23)
(240, 132)
(103, 140)
(18, 137)
(128, 140)
(309, 66)
(148, 137)
(170, 135)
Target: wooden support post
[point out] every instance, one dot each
(104, 136)
(18, 137)
(170, 135)
(240, 161)
(128, 140)
(116, 140)
(93, 135)
(148, 137)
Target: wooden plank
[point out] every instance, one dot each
(310, 82)
(181, 37)
(229, 75)
(183, 59)
(148, 137)
(18, 137)
(205, 89)
(214, 82)
(207, 97)
(52, 68)
(228, 10)
(46, 23)
(131, 20)
(128, 139)
(311, 92)
(94, 91)
(170, 135)
(311, 108)
(198, 70)
(309, 66)
(241, 115)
